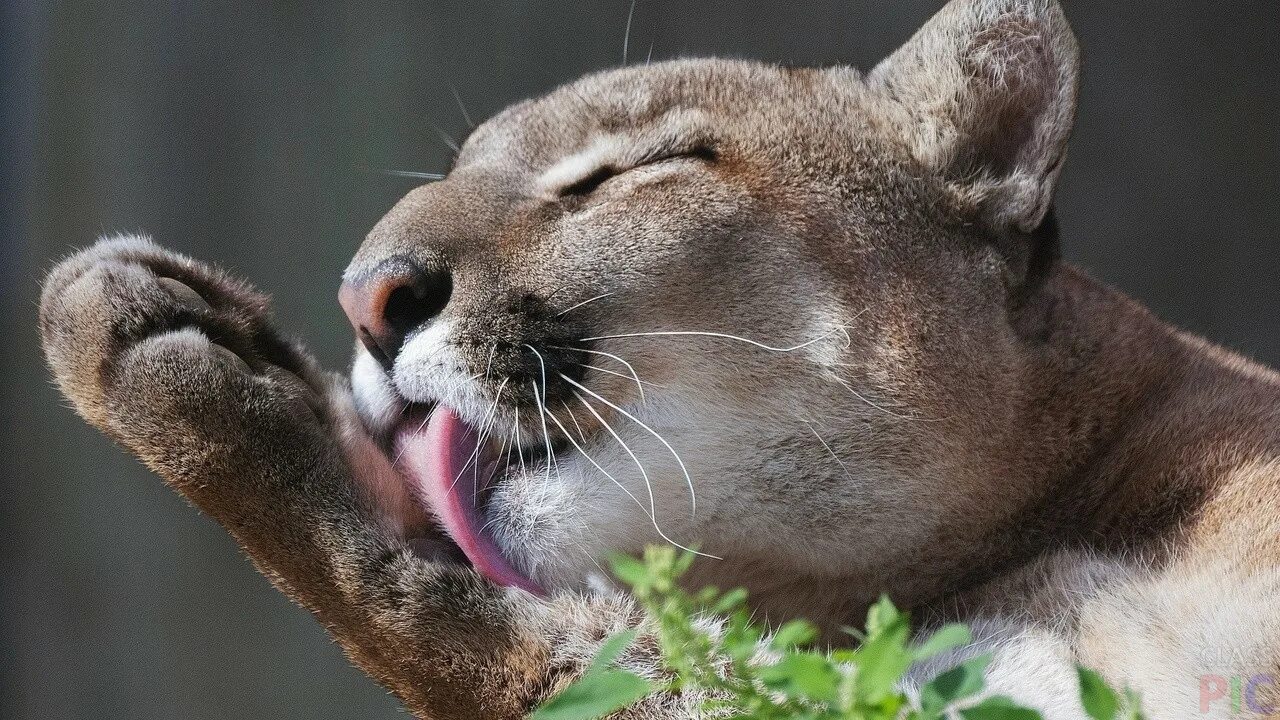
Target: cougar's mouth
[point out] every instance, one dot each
(453, 471)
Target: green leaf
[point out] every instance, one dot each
(881, 615)
(595, 695)
(792, 634)
(1132, 705)
(729, 601)
(611, 649)
(629, 570)
(998, 707)
(948, 637)
(683, 563)
(805, 676)
(962, 681)
(1097, 697)
(883, 659)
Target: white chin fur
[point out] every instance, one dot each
(375, 400)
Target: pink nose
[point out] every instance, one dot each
(387, 307)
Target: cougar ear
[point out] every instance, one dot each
(987, 91)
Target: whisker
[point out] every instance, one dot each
(597, 465)
(510, 448)
(413, 174)
(461, 106)
(834, 456)
(607, 371)
(400, 452)
(553, 293)
(538, 404)
(519, 444)
(845, 384)
(574, 418)
(481, 436)
(626, 36)
(501, 449)
(542, 406)
(649, 486)
(653, 510)
(578, 544)
(447, 139)
(693, 498)
(639, 385)
(489, 365)
(724, 336)
(571, 308)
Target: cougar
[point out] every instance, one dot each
(810, 323)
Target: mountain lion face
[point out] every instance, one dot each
(764, 312)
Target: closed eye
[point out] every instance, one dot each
(589, 183)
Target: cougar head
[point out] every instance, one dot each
(760, 311)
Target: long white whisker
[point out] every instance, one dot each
(489, 365)
(509, 447)
(724, 336)
(607, 371)
(649, 486)
(693, 497)
(571, 308)
(400, 452)
(519, 446)
(481, 436)
(574, 418)
(653, 510)
(634, 374)
(496, 465)
(542, 406)
(545, 435)
(597, 465)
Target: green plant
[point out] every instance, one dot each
(749, 674)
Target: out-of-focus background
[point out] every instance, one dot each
(246, 132)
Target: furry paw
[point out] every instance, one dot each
(126, 308)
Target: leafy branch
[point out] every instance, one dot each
(709, 644)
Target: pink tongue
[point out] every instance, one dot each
(436, 458)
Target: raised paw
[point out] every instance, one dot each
(177, 362)
(126, 302)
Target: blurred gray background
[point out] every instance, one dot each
(245, 133)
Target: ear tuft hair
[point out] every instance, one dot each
(988, 90)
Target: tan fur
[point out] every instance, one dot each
(949, 414)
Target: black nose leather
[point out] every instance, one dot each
(387, 306)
